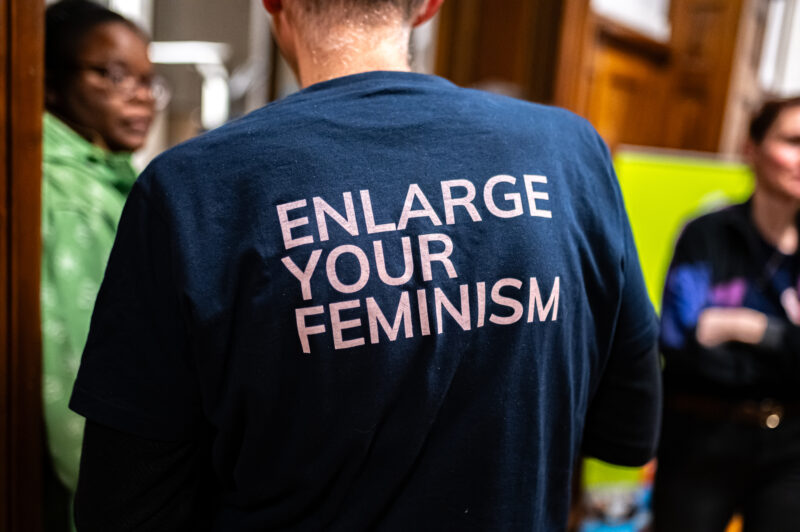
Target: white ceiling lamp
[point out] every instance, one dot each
(209, 59)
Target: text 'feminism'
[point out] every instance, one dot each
(417, 312)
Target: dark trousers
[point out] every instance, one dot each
(710, 469)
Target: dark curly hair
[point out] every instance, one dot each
(767, 114)
(67, 23)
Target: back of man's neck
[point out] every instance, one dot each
(354, 51)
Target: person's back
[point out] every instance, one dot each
(390, 301)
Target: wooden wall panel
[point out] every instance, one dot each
(694, 97)
(628, 97)
(636, 90)
(704, 39)
(541, 58)
(615, 77)
(686, 111)
(574, 72)
(504, 45)
(459, 26)
(21, 88)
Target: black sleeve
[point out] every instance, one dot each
(624, 416)
(780, 342)
(137, 374)
(131, 483)
(733, 364)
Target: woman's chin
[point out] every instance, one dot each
(129, 142)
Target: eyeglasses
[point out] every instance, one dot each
(121, 81)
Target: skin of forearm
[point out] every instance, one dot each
(718, 325)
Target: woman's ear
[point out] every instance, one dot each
(273, 6)
(426, 12)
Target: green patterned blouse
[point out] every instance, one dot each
(83, 190)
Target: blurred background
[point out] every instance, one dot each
(669, 84)
(678, 74)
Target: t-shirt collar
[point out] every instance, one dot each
(373, 76)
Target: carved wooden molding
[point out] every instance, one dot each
(631, 39)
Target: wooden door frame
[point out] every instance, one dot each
(573, 70)
(22, 91)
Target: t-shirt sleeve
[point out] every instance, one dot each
(136, 373)
(171, 483)
(623, 419)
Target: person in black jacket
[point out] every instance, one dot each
(729, 335)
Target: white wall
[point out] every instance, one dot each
(139, 11)
(779, 72)
(650, 17)
(790, 80)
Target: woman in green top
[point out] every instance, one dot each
(100, 101)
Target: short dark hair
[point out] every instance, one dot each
(67, 23)
(404, 6)
(767, 114)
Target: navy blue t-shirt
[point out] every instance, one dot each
(395, 304)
